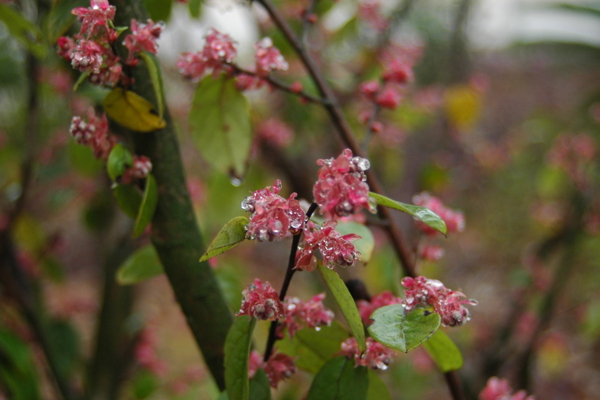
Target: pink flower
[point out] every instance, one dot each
(310, 314)
(389, 98)
(65, 47)
(377, 356)
(272, 215)
(333, 247)
(261, 301)
(94, 134)
(140, 169)
(431, 252)
(87, 56)
(341, 189)
(255, 363)
(369, 89)
(279, 367)
(366, 308)
(275, 132)
(455, 220)
(219, 50)
(248, 82)
(268, 58)
(95, 20)
(142, 37)
(499, 389)
(398, 70)
(296, 87)
(447, 303)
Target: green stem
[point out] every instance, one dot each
(175, 233)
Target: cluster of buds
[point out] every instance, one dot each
(92, 50)
(430, 292)
(377, 356)
(431, 252)
(333, 247)
(261, 301)
(145, 352)
(267, 59)
(341, 189)
(278, 367)
(455, 220)
(499, 389)
(366, 308)
(139, 170)
(309, 314)
(217, 55)
(272, 215)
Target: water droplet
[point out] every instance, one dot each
(247, 204)
(236, 181)
(317, 328)
(383, 367)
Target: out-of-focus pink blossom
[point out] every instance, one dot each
(94, 134)
(275, 132)
(389, 98)
(248, 82)
(455, 220)
(366, 308)
(279, 367)
(261, 301)
(431, 252)
(219, 51)
(377, 356)
(334, 248)
(449, 304)
(139, 170)
(255, 362)
(296, 87)
(95, 20)
(369, 89)
(499, 389)
(370, 11)
(573, 153)
(309, 314)
(398, 70)
(268, 58)
(142, 38)
(146, 355)
(341, 189)
(272, 215)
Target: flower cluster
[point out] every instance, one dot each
(92, 50)
(499, 389)
(275, 132)
(573, 153)
(309, 314)
(366, 308)
(272, 215)
(455, 220)
(377, 356)
(333, 247)
(261, 301)
(449, 304)
(431, 252)
(268, 58)
(217, 54)
(139, 170)
(341, 189)
(278, 367)
(93, 133)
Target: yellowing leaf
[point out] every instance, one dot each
(463, 106)
(132, 111)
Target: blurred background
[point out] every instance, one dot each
(501, 122)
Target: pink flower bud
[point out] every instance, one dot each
(499, 389)
(261, 301)
(296, 87)
(369, 89)
(268, 58)
(279, 367)
(142, 37)
(389, 98)
(377, 356)
(309, 314)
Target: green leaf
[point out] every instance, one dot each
(82, 159)
(64, 345)
(260, 388)
(60, 17)
(144, 384)
(377, 388)
(24, 31)
(220, 121)
(339, 379)
(147, 207)
(394, 328)
(311, 349)
(365, 244)
(128, 199)
(155, 78)
(342, 296)
(118, 161)
(195, 6)
(17, 368)
(237, 351)
(444, 352)
(229, 236)
(159, 10)
(141, 265)
(421, 213)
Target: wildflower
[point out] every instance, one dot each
(95, 20)
(261, 301)
(366, 308)
(139, 170)
(377, 356)
(218, 51)
(341, 189)
(310, 314)
(93, 133)
(142, 37)
(499, 389)
(279, 367)
(389, 98)
(333, 247)
(268, 58)
(455, 220)
(447, 303)
(272, 215)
